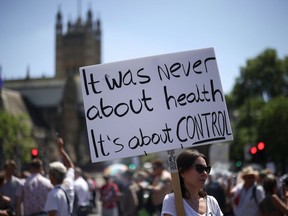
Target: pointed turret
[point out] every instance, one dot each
(59, 23)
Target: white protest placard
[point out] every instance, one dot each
(153, 104)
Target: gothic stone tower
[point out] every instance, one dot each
(80, 46)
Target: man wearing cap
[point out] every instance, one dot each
(60, 198)
(247, 195)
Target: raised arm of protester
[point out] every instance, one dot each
(61, 174)
(65, 157)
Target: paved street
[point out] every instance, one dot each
(99, 179)
(98, 212)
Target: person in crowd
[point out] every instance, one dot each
(5, 201)
(109, 196)
(247, 195)
(129, 202)
(25, 174)
(60, 198)
(140, 178)
(228, 181)
(93, 187)
(82, 194)
(262, 175)
(33, 193)
(284, 191)
(193, 172)
(160, 186)
(11, 183)
(272, 205)
(215, 189)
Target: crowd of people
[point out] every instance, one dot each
(61, 192)
(65, 190)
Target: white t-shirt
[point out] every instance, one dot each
(213, 208)
(82, 191)
(247, 204)
(56, 198)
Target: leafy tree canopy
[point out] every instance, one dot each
(15, 136)
(258, 105)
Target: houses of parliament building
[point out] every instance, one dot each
(55, 105)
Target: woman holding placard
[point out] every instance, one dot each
(193, 172)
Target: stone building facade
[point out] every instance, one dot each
(55, 104)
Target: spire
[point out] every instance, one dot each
(59, 22)
(79, 9)
(28, 72)
(1, 97)
(89, 21)
(1, 80)
(89, 15)
(59, 15)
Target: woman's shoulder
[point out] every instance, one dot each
(211, 198)
(211, 201)
(213, 205)
(169, 196)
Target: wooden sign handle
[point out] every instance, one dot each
(176, 183)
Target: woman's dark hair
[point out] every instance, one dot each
(269, 183)
(185, 161)
(285, 182)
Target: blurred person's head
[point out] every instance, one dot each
(36, 165)
(157, 167)
(57, 172)
(140, 176)
(78, 172)
(10, 168)
(2, 178)
(249, 176)
(107, 178)
(262, 175)
(270, 184)
(25, 174)
(285, 185)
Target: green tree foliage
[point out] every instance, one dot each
(15, 136)
(261, 80)
(244, 126)
(273, 129)
(263, 77)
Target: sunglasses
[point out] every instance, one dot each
(200, 168)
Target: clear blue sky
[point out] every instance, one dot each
(238, 30)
